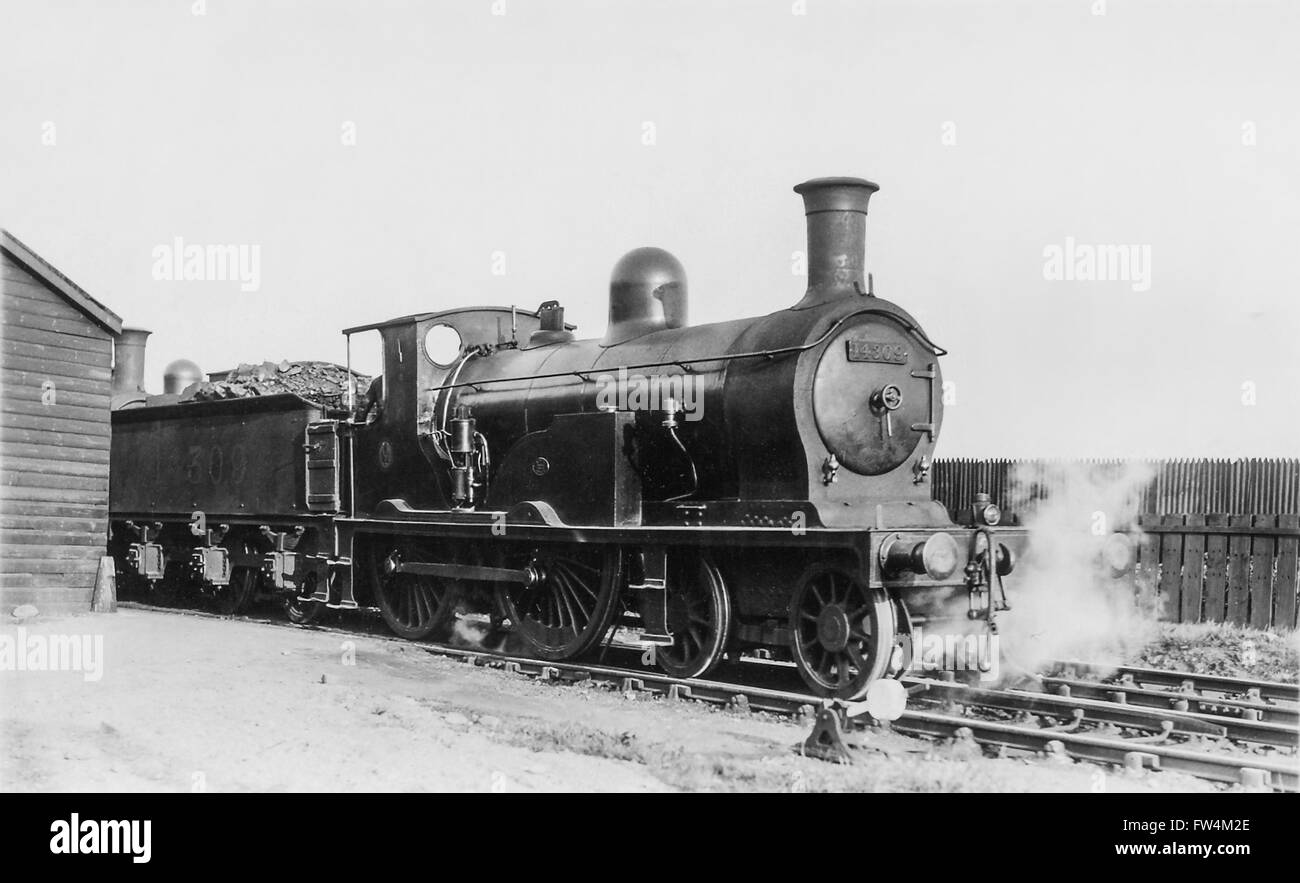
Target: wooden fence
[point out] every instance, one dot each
(1235, 487)
(1210, 549)
(1222, 568)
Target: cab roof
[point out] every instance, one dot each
(420, 317)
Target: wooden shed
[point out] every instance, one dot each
(56, 360)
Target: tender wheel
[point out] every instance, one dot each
(414, 606)
(303, 612)
(699, 616)
(844, 633)
(234, 598)
(570, 603)
(173, 590)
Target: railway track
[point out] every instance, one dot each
(1124, 715)
(1123, 733)
(1267, 692)
(1239, 699)
(1132, 694)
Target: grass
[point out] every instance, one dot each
(587, 741)
(1224, 649)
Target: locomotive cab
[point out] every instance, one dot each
(394, 455)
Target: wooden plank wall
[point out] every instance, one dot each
(1236, 487)
(53, 453)
(1240, 569)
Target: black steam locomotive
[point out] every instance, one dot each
(758, 483)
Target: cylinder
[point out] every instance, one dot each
(836, 209)
(128, 360)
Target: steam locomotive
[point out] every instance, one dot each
(760, 483)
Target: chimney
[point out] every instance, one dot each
(837, 237)
(128, 361)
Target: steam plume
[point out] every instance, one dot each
(1067, 603)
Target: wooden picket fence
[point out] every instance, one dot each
(1219, 538)
(1222, 568)
(1235, 487)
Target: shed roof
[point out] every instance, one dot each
(71, 291)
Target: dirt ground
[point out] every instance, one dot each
(190, 703)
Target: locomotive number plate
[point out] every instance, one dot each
(871, 351)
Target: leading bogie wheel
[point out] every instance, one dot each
(844, 632)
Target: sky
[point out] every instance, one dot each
(385, 158)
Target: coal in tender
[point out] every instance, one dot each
(321, 382)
